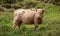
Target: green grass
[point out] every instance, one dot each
(49, 27)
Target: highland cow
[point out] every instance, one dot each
(28, 16)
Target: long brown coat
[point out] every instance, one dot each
(28, 16)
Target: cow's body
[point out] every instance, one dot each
(27, 16)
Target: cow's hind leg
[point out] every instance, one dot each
(14, 26)
(15, 22)
(19, 24)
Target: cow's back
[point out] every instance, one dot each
(28, 17)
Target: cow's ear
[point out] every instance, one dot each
(43, 10)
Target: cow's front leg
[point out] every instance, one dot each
(36, 23)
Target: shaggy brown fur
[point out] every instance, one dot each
(28, 16)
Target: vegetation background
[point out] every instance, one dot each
(51, 19)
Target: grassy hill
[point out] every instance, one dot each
(49, 27)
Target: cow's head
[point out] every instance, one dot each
(40, 12)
